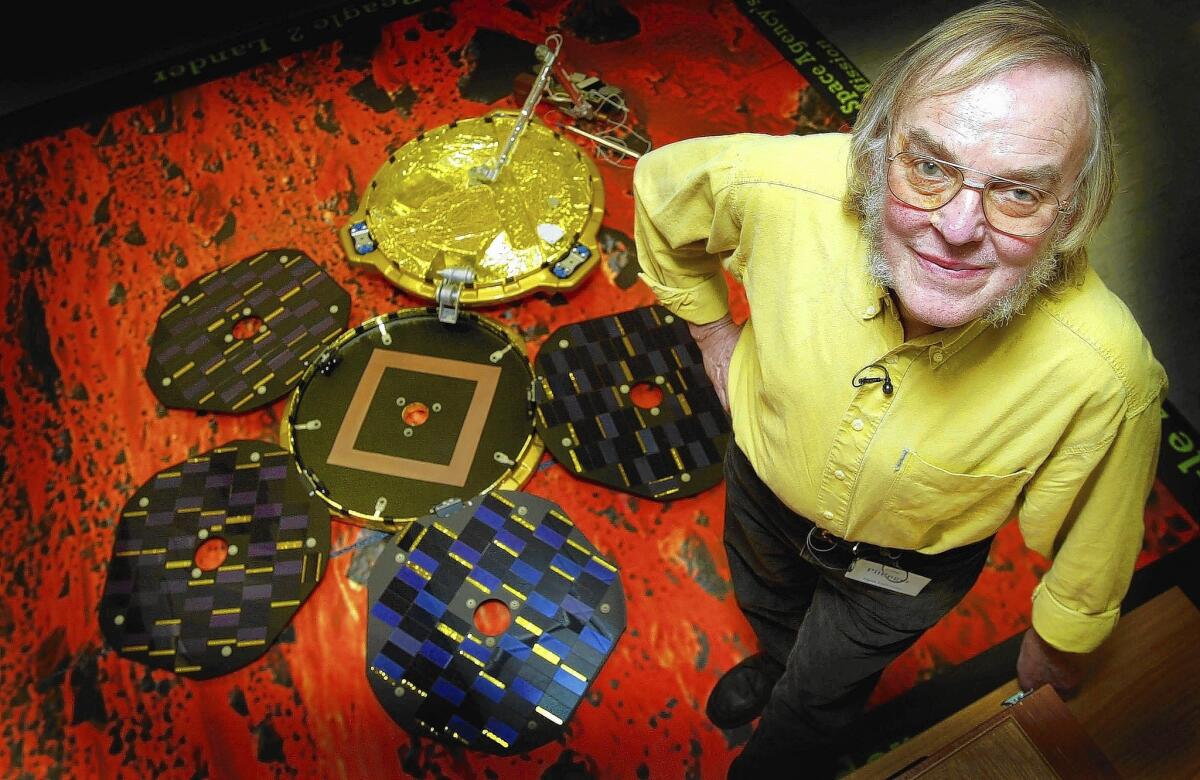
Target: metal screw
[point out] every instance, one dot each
(143, 502)
(246, 312)
(202, 533)
(399, 690)
(605, 608)
(563, 343)
(119, 620)
(333, 309)
(196, 573)
(262, 389)
(566, 442)
(310, 542)
(522, 510)
(624, 389)
(228, 338)
(166, 381)
(685, 477)
(408, 431)
(658, 380)
(400, 557)
(226, 651)
(233, 549)
(255, 457)
(490, 641)
(471, 603)
(514, 604)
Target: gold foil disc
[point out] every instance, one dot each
(425, 212)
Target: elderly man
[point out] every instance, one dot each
(927, 355)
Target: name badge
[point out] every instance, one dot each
(886, 577)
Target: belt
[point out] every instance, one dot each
(835, 553)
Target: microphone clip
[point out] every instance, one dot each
(861, 378)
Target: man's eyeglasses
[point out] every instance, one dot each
(1009, 206)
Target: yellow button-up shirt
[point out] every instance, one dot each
(1054, 417)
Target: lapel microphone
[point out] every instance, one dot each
(861, 378)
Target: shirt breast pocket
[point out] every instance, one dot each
(943, 509)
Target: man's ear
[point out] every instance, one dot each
(1068, 220)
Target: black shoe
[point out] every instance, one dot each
(742, 692)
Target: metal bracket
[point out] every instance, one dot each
(449, 290)
(578, 255)
(364, 244)
(448, 507)
(1015, 698)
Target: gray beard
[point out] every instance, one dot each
(1039, 276)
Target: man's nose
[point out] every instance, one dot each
(961, 221)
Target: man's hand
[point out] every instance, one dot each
(1039, 664)
(716, 341)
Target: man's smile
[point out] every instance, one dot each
(948, 268)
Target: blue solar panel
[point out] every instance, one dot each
(542, 604)
(411, 578)
(458, 548)
(429, 603)
(515, 647)
(526, 572)
(595, 639)
(488, 689)
(560, 649)
(464, 729)
(489, 517)
(382, 612)
(435, 654)
(601, 573)
(448, 691)
(485, 578)
(465, 685)
(567, 565)
(510, 540)
(424, 561)
(405, 641)
(526, 690)
(549, 536)
(389, 667)
(570, 682)
(502, 730)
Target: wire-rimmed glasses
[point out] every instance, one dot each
(1012, 207)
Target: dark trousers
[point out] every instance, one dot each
(832, 635)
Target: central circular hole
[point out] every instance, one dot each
(645, 396)
(211, 553)
(415, 413)
(493, 617)
(247, 327)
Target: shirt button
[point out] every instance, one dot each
(857, 425)
(938, 357)
(839, 474)
(827, 515)
(870, 312)
(891, 360)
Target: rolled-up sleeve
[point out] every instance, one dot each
(1085, 510)
(686, 224)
